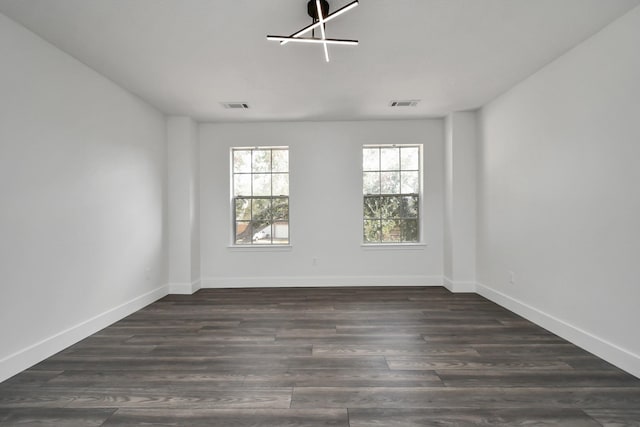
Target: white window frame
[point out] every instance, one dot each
(272, 245)
(420, 204)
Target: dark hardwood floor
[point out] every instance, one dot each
(355, 357)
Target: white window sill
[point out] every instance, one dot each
(393, 246)
(260, 248)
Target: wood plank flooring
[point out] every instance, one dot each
(356, 357)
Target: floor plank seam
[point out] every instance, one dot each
(324, 356)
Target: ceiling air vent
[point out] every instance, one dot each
(408, 103)
(236, 105)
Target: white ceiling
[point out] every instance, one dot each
(187, 56)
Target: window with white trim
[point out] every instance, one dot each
(260, 195)
(391, 179)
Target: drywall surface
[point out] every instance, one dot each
(559, 195)
(460, 202)
(325, 206)
(183, 204)
(82, 166)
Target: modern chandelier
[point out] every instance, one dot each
(318, 10)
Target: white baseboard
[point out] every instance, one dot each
(602, 348)
(23, 359)
(185, 288)
(458, 286)
(27, 357)
(313, 281)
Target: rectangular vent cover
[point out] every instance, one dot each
(407, 103)
(236, 105)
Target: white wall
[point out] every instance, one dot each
(82, 165)
(559, 195)
(183, 200)
(460, 202)
(326, 206)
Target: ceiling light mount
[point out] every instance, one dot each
(318, 10)
(312, 10)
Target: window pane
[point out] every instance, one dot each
(261, 161)
(242, 160)
(243, 233)
(410, 230)
(410, 182)
(390, 182)
(372, 207)
(410, 207)
(280, 184)
(263, 234)
(371, 183)
(280, 208)
(371, 231)
(261, 212)
(391, 231)
(261, 184)
(393, 216)
(410, 158)
(370, 159)
(280, 160)
(258, 175)
(389, 159)
(243, 209)
(242, 185)
(390, 207)
(281, 233)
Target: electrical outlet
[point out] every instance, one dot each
(314, 261)
(512, 278)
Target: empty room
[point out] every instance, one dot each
(320, 213)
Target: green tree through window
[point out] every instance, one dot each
(261, 195)
(391, 191)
